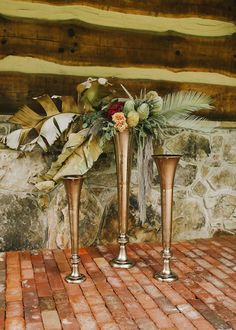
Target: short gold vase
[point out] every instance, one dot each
(73, 186)
(166, 165)
(123, 156)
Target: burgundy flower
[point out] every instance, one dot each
(114, 108)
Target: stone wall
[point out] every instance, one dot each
(204, 196)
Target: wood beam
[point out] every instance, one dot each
(17, 89)
(215, 9)
(80, 45)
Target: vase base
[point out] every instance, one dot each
(75, 279)
(166, 277)
(122, 263)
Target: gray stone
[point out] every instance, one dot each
(136, 231)
(188, 217)
(185, 175)
(191, 145)
(224, 178)
(225, 207)
(17, 169)
(22, 223)
(229, 153)
(200, 188)
(217, 144)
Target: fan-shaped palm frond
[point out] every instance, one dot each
(179, 108)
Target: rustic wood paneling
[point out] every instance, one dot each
(75, 44)
(17, 89)
(196, 26)
(215, 9)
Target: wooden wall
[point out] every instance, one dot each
(50, 46)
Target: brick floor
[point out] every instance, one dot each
(34, 295)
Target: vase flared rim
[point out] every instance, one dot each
(72, 177)
(166, 156)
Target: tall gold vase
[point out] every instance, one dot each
(123, 155)
(73, 186)
(166, 165)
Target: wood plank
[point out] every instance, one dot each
(197, 26)
(216, 9)
(74, 44)
(37, 66)
(17, 89)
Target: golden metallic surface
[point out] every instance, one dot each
(73, 186)
(123, 155)
(166, 165)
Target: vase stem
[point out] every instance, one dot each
(73, 186)
(123, 155)
(166, 165)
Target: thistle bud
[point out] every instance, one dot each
(157, 105)
(132, 118)
(143, 111)
(129, 106)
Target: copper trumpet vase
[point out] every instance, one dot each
(123, 155)
(166, 165)
(73, 186)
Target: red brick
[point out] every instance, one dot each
(115, 282)
(51, 320)
(44, 290)
(14, 309)
(2, 317)
(101, 314)
(222, 311)
(13, 294)
(46, 303)
(101, 262)
(135, 310)
(181, 322)
(166, 306)
(146, 301)
(232, 324)
(79, 304)
(231, 282)
(218, 273)
(159, 318)
(182, 290)
(144, 324)
(70, 323)
(173, 296)
(15, 323)
(94, 299)
(152, 291)
(34, 326)
(212, 317)
(86, 321)
(32, 315)
(111, 299)
(203, 324)
(109, 326)
(124, 295)
(211, 289)
(27, 274)
(71, 289)
(189, 311)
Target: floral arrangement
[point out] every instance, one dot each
(82, 127)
